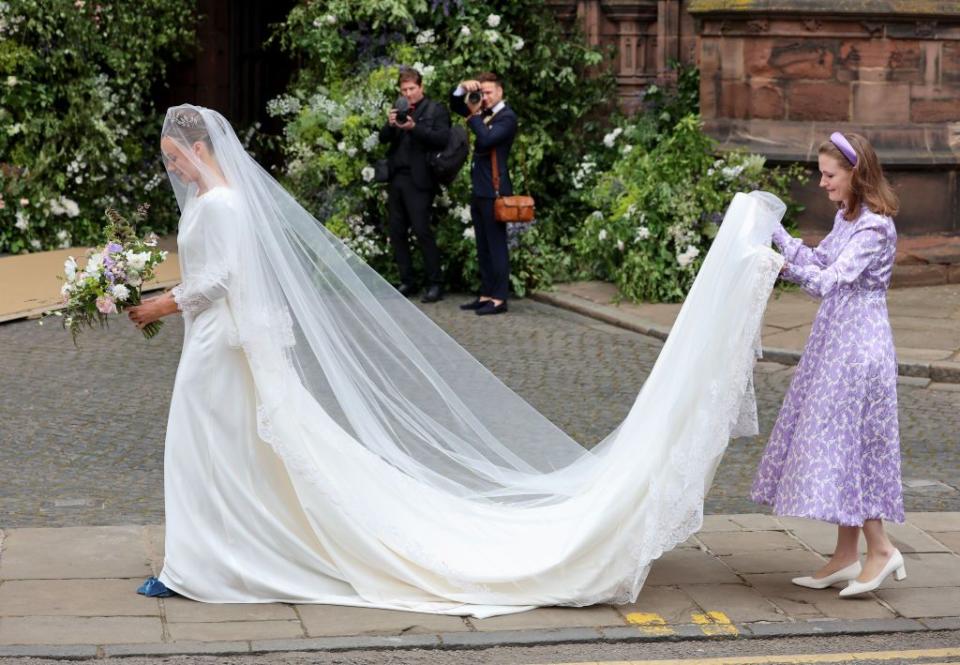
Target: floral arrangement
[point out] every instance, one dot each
(112, 277)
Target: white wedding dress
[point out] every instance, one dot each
(328, 444)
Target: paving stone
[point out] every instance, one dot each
(689, 567)
(104, 598)
(521, 637)
(234, 630)
(799, 602)
(909, 538)
(544, 618)
(323, 620)
(923, 602)
(818, 536)
(950, 540)
(175, 648)
(798, 562)
(757, 522)
(184, 610)
(748, 541)
(352, 643)
(74, 553)
(46, 651)
(79, 630)
(739, 602)
(670, 604)
(935, 521)
(928, 570)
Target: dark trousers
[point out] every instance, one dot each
(412, 208)
(492, 252)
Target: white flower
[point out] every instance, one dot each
(367, 173)
(731, 172)
(342, 146)
(602, 235)
(12, 81)
(493, 20)
(137, 260)
(469, 233)
(35, 244)
(70, 268)
(330, 19)
(351, 152)
(518, 44)
(66, 289)
(492, 36)
(120, 292)
(70, 206)
(620, 245)
(626, 149)
(134, 280)
(94, 265)
(371, 142)
(687, 256)
(465, 31)
(15, 129)
(643, 233)
(611, 138)
(463, 212)
(426, 37)
(24, 202)
(23, 220)
(427, 71)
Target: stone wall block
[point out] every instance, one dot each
(950, 63)
(731, 59)
(766, 100)
(818, 100)
(756, 57)
(734, 99)
(881, 102)
(802, 59)
(935, 110)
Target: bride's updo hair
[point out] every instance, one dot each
(187, 125)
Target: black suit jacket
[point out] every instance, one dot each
(430, 134)
(497, 135)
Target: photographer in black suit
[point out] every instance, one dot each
(413, 133)
(494, 125)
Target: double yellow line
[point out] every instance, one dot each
(799, 659)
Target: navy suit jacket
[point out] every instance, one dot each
(498, 135)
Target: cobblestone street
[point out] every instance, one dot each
(81, 430)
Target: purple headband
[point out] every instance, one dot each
(843, 145)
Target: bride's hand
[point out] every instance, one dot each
(152, 309)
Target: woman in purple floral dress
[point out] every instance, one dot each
(834, 453)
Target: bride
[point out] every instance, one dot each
(327, 443)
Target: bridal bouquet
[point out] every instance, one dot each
(112, 276)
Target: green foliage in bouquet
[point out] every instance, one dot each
(113, 276)
(78, 132)
(350, 52)
(656, 190)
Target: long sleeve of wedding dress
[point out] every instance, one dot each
(327, 443)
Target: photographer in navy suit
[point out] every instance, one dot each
(494, 125)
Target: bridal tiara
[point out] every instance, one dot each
(188, 120)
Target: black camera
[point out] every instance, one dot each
(474, 96)
(403, 109)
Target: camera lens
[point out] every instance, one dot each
(474, 97)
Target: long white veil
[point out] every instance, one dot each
(322, 330)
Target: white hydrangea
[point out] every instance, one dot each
(12, 81)
(463, 212)
(351, 152)
(731, 172)
(426, 37)
(611, 138)
(621, 245)
(35, 244)
(687, 256)
(643, 233)
(367, 173)
(465, 31)
(492, 36)
(493, 20)
(371, 142)
(23, 220)
(602, 235)
(342, 146)
(518, 44)
(469, 233)
(120, 292)
(137, 260)
(583, 172)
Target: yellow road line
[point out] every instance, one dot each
(714, 623)
(798, 659)
(650, 623)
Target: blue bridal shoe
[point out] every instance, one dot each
(154, 588)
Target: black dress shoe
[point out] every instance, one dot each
(473, 304)
(406, 290)
(489, 308)
(432, 294)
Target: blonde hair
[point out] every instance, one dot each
(868, 185)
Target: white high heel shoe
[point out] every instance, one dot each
(894, 565)
(847, 574)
